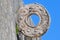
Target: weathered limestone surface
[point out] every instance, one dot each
(8, 19)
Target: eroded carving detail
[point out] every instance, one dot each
(27, 11)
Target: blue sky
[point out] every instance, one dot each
(53, 7)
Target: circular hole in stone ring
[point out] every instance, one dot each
(32, 17)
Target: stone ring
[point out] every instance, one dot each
(42, 26)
